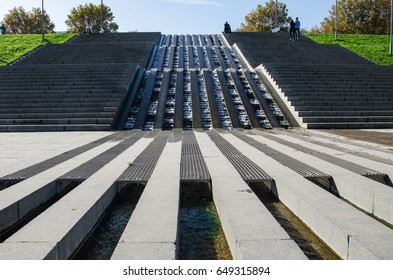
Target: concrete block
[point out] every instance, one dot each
(153, 224)
(9, 214)
(269, 250)
(28, 251)
(145, 251)
(375, 248)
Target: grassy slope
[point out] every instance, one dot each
(372, 47)
(14, 46)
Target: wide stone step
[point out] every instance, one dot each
(48, 121)
(49, 110)
(344, 113)
(343, 103)
(63, 101)
(54, 127)
(43, 97)
(327, 99)
(352, 119)
(351, 125)
(57, 115)
(335, 107)
(64, 105)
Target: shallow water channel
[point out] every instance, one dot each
(102, 242)
(200, 233)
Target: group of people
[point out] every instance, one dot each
(294, 29)
(89, 29)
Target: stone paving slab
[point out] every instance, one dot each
(151, 232)
(352, 144)
(145, 251)
(20, 150)
(369, 195)
(22, 198)
(29, 251)
(243, 217)
(74, 216)
(367, 163)
(333, 220)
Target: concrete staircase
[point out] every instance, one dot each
(76, 86)
(324, 86)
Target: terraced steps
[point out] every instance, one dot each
(322, 81)
(80, 85)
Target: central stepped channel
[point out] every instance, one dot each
(198, 82)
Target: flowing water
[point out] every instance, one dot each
(103, 240)
(200, 234)
(312, 246)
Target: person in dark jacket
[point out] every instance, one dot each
(227, 28)
(292, 30)
(2, 28)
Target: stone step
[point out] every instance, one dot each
(344, 113)
(30, 101)
(309, 97)
(338, 108)
(57, 121)
(49, 110)
(54, 127)
(346, 119)
(64, 105)
(351, 125)
(343, 103)
(57, 115)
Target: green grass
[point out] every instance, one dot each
(372, 47)
(15, 46)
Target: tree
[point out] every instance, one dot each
(18, 21)
(359, 17)
(89, 13)
(263, 18)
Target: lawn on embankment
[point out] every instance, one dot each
(372, 47)
(13, 46)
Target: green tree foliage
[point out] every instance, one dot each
(90, 13)
(19, 21)
(263, 18)
(359, 17)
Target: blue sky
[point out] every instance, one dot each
(176, 16)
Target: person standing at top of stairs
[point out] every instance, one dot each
(227, 28)
(297, 29)
(292, 30)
